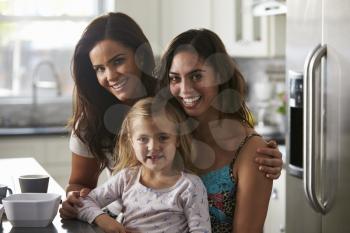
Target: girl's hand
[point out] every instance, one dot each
(68, 210)
(108, 224)
(271, 166)
(84, 192)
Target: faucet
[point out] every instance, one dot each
(36, 83)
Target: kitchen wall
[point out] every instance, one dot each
(261, 69)
(265, 79)
(253, 67)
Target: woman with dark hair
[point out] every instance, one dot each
(133, 64)
(197, 72)
(112, 68)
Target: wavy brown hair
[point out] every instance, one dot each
(91, 101)
(209, 48)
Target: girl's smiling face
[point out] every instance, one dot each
(154, 142)
(193, 83)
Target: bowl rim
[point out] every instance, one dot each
(33, 176)
(51, 197)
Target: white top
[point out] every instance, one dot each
(180, 208)
(79, 148)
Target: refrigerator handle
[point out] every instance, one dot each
(311, 140)
(306, 139)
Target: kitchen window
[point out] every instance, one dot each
(37, 40)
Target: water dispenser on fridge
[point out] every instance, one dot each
(295, 123)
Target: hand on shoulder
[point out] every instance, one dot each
(247, 154)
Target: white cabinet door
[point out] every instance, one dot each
(256, 36)
(58, 158)
(275, 219)
(181, 15)
(147, 14)
(15, 147)
(223, 18)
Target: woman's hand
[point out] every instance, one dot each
(68, 210)
(108, 224)
(272, 165)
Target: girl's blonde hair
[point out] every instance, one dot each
(148, 108)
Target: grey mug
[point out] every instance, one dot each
(34, 183)
(3, 191)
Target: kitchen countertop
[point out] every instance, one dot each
(30, 131)
(10, 170)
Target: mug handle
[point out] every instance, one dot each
(10, 190)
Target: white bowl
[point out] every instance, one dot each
(31, 209)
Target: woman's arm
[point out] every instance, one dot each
(253, 190)
(84, 173)
(84, 176)
(269, 160)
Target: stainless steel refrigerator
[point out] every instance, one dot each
(318, 139)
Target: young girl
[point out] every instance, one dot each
(151, 183)
(197, 72)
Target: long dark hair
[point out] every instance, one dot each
(208, 46)
(90, 99)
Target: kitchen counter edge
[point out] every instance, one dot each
(34, 131)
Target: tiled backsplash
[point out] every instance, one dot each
(47, 112)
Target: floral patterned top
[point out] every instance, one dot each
(221, 188)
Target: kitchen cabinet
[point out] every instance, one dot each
(246, 35)
(51, 151)
(275, 219)
(181, 15)
(276, 214)
(243, 34)
(147, 15)
(255, 36)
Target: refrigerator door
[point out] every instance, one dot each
(304, 33)
(336, 172)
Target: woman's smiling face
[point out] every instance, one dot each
(193, 83)
(116, 69)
